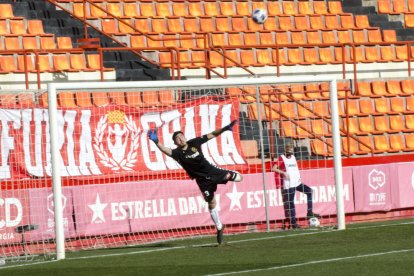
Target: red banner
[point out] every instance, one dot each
(113, 139)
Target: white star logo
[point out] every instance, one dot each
(97, 209)
(235, 197)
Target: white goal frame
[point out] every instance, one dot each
(53, 88)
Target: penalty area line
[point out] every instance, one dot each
(314, 262)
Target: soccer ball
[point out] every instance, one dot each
(314, 222)
(259, 16)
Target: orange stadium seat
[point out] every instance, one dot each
(361, 21)
(381, 123)
(117, 98)
(316, 22)
(35, 27)
(6, 11)
(301, 22)
(100, 99)
(77, 62)
(350, 147)
(64, 42)
(397, 105)
(29, 66)
(125, 26)
(239, 24)
(134, 99)
(17, 27)
(289, 8)
(320, 128)
(227, 8)
(285, 23)
(396, 123)
(399, 6)
(321, 148)
(381, 105)
(366, 125)
(258, 5)
(407, 86)
(303, 129)
(61, 62)
(4, 29)
(335, 7)
(159, 25)
(320, 7)
(387, 53)
(393, 87)
(47, 43)
(142, 24)
(130, 10)
(7, 64)
(195, 9)
(163, 9)
(211, 8)
(381, 143)
(379, 88)
(384, 6)
(83, 99)
(305, 8)
(29, 42)
(409, 142)
(396, 143)
(44, 63)
(409, 122)
(67, 100)
(137, 41)
(365, 144)
(288, 129)
(97, 10)
(347, 21)
(274, 8)
(305, 110)
(179, 9)
(147, 9)
(366, 108)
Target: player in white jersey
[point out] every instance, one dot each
(287, 168)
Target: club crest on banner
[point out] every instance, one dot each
(116, 141)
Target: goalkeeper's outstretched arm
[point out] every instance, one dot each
(152, 135)
(219, 131)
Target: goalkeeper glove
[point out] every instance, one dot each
(152, 135)
(230, 126)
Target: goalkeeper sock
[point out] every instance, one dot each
(215, 217)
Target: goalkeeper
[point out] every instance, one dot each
(189, 155)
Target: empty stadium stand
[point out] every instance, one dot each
(359, 42)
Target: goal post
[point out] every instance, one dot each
(187, 93)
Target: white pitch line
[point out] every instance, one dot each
(29, 264)
(206, 244)
(314, 262)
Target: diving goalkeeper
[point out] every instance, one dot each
(189, 155)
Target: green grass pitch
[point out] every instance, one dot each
(381, 248)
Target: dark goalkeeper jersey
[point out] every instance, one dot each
(193, 160)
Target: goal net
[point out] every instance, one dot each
(79, 172)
